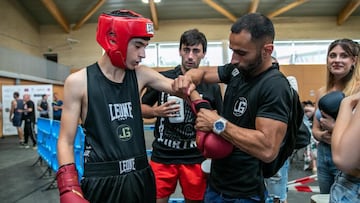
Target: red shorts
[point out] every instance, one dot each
(191, 178)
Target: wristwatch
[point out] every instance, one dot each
(219, 125)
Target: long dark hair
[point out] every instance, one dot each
(352, 49)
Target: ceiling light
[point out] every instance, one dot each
(147, 1)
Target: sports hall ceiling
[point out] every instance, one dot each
(72, 14)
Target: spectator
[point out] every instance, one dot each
(344, 143)
(345, 151)
(29, 119)
(106, 97)
(182, 161)
(57, 107)
(17, 105)
(238, 177)
(43, 106)
(310, 152)
(341, 58)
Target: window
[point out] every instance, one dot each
(166, 54)
(301, 52)
(150, 56)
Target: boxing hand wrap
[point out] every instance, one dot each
(196, 105)
(210, 144)
(69, 188)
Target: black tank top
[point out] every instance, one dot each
(19, 106)
(113, 125)
(44, 105)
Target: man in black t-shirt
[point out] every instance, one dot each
(175, 156)
(29, 118)
(254, 122)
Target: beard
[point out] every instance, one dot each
(252, 65)
(186, 68)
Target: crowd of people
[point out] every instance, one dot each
(108, 98)
(23, 117)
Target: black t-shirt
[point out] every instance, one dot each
(29, 115)
(239, 175)
(44, 105)
(45, 112)
(175, 142)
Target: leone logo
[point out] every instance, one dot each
(124, 132)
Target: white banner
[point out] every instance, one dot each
(35, 91)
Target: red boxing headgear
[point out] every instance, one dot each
(117, 28)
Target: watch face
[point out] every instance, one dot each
(219, 125)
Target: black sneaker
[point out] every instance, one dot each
(23, 145)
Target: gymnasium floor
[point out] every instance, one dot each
(24, 179)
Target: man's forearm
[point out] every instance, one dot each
(194, 95)
(147, 111)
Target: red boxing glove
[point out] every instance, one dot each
(69, 188)
(210, 144)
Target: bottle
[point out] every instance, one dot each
(179, 117)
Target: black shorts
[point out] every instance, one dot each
(132, 187)
(16, 121)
